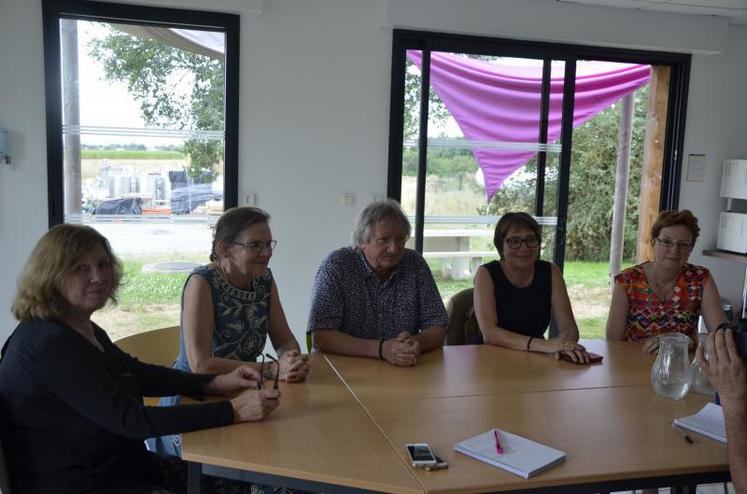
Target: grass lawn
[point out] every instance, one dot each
(149, 300)
(146, 300)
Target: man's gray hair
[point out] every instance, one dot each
(386, 211)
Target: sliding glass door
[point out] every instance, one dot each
(480, 127)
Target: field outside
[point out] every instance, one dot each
(149, 300)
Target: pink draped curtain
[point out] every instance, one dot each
(492, 102)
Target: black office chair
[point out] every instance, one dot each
(463, 328)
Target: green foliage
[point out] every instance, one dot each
(151, 70)
(203, 154)
(437, 112)
(118, 154)
(447, 162)
(591, 185)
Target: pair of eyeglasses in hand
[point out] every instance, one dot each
(262, 371)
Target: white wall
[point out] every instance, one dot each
(23, 186)
(716, 119)
(314, 112)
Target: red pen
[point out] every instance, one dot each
(498, 447)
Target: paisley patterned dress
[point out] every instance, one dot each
(241, 324)
(241, 317)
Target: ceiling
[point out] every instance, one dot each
(733, 10)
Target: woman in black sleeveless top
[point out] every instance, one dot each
(516, 297)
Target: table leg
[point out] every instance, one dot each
(194, 477)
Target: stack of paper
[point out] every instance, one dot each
(709, 422)
(521, 456)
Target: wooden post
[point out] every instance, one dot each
(622, 172)
(653, 159)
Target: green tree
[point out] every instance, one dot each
(591, 185)
(150, 69)
(437, 112)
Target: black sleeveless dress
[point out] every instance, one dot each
(527, 310)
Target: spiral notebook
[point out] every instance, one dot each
(709, 421)
(521, 456)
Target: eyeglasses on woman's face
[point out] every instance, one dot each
(259, 247)
(531, 241)
(668, 243)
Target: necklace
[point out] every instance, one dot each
(660, 289)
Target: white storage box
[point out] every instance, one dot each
(732, 232)
(734, 179)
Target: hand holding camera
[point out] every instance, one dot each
(726, 366)
(740, 336)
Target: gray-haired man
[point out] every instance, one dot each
(377, 299)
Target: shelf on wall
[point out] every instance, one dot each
(725, 254)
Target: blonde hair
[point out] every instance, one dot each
(40, 286)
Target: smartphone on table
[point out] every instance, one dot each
(440, 464)
(421, 455)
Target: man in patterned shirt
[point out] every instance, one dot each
(377, 299)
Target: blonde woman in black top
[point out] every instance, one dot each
(71, 402)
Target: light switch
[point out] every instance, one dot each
(348, 199)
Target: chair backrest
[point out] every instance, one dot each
(159, 346)
(4, 479)
(462, 328)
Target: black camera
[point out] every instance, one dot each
(740, 336)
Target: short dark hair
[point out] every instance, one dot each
(673, 218)
(233, 222)
(386, 211)
(514, 220)
(40, 286)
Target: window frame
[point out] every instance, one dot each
(55, 10)
(428, 42)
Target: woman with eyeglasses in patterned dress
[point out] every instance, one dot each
(231, 305)
(666, 294)
(516, 297)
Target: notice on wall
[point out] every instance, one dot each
(696, 167)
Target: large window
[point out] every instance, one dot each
(142, 112)
(587, 140)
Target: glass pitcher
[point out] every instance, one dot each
(671, 376)
(700, 380)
